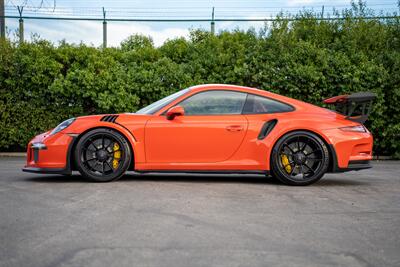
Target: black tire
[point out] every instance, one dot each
(102, 155)
(299, 158)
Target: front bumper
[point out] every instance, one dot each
(50, 154)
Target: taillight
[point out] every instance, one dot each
(358, 129)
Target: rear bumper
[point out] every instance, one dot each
(355, 165)
(349, 150)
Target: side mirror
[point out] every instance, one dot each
(175, 111)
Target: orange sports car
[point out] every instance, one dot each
(213, 128)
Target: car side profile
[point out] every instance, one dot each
(213, 128)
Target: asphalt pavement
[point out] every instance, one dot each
(347, 219)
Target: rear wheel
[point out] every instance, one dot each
(102, 155)
(299, 158)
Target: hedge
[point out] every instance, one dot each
(42, 84)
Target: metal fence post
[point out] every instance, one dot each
(212, 22)
(21, 25)
(104, 29)
(2, 21)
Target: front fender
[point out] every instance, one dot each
(81, 126)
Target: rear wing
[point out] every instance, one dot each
(356, 107)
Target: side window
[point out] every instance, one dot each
(214, 102)
(262, 105)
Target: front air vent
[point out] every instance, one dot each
(109, 118)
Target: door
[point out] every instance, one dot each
(211, 130)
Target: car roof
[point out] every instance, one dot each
(217, 86)
(294, 102)
(245, 89)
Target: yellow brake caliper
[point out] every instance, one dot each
(117, 155)
(285, 162)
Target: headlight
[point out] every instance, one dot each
(62, 126)
(358, 129)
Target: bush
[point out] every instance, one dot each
(42, 84)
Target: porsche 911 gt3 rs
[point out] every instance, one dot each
(213, 128)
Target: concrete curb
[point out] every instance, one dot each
(382, 158)
(12, 154)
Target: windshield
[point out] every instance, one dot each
(156, 106)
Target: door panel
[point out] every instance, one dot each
(193, 139)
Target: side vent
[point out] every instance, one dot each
(109, 118)
(267, 128)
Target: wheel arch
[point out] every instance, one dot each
(71, 159)
(332, 153)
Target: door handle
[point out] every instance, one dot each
(234, 128)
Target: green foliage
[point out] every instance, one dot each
(42, 84)
(136, 42)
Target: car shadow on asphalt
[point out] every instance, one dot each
(195, 178)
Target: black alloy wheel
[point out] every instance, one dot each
(299, 158)
(102, 155)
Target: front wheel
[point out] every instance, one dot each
(102, 155)
(299, 158)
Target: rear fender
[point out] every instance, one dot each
(285, 128)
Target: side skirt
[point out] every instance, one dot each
(206, 171)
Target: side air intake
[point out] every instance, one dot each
(109, 118)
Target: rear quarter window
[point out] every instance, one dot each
(262, 105)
